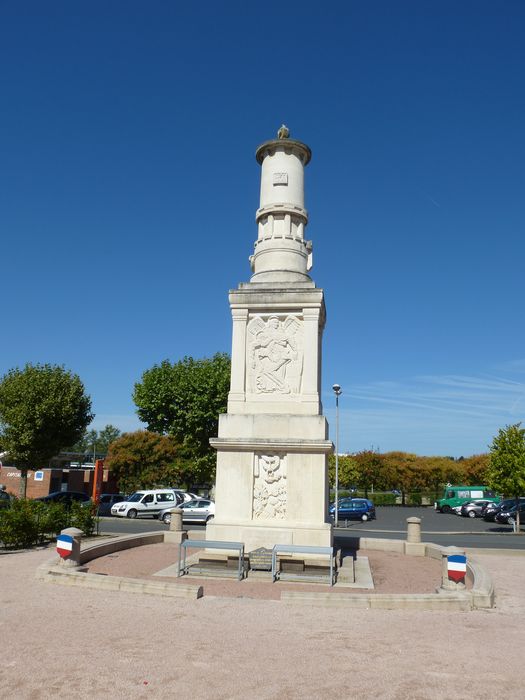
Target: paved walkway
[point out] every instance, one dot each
(61, 642)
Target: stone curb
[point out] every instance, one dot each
(382, 601)
(480, 596)
(51, 572)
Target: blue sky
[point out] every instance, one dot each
(128, 188)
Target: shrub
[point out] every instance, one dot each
(84, 517)
(52, 518)
(19, 525)
(27, 522)
(383, 499)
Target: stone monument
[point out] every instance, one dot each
(272, 446)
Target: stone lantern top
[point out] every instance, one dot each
(284, 142)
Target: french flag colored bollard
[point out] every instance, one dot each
(64, 545)
(457, 567)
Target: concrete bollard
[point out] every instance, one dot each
(447, 583)
(414, 530)
(413, 545)
(176, 534)
(73, 559)
(176, 520)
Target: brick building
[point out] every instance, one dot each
(40, 482)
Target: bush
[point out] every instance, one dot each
(27, 523)
(382, 499)
(84, 517)
(52, 518)
(19, 524)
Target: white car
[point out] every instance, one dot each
(185, 495)
(143, 504)
(199, 510)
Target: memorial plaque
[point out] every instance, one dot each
(260, 559)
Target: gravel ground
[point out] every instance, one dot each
(61, 642)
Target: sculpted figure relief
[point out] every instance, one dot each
(269, 492)
(275, 355)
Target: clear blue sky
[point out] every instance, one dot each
(128, 187)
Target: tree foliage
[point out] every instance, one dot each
(96, 441)
(506, 470)
(184, 400)
(43, 408)
(406, 472)
(144, 459)
(369, 470)
(348, 470)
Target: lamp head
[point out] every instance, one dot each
(337, 389)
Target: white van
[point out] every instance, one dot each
(143, 504)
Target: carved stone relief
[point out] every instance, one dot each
(269, 489)
(275, 355)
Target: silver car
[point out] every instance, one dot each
(198, 510)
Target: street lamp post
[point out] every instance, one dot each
(337, 391)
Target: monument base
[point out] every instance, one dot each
(255, 536)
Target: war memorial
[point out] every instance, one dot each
(272, 446)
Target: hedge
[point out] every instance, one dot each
(28, 523)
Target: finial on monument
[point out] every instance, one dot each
(284, 132)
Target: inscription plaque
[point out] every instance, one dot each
(260, 559)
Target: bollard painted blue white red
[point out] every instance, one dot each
(64, 545)
(457, 567)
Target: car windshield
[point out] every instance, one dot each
(136, 496)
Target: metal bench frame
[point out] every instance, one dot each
(209, 544)
(301, 549)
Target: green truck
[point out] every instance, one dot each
(457, 495)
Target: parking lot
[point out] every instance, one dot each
(440, 528)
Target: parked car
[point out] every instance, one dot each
(509, 516)
(185, 496)
(107, 500)
(454, 496)
(65, 497)
(199, 510)
(474, 508)
(353, 509)
(492, 509)
(144, 504)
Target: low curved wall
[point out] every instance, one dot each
(481, 595)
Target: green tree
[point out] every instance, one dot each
(106, 436)
(506, 470)
(369, 470)
(184, 400)
(42, 409)
(348, 471)
(94, 441)
(146, 460)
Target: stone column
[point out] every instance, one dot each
(237, 385)
(310, 386)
